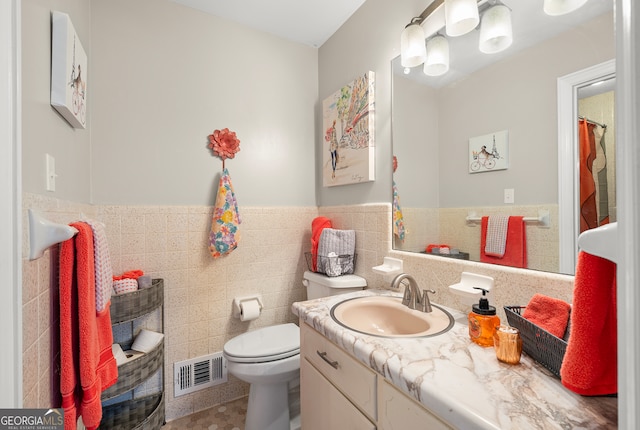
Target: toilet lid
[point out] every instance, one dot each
(264, 344)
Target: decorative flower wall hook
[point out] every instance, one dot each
(224, 144)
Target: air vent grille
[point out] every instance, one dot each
(199, 373)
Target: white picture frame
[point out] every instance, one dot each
(68, 71)
(489, 152)
(348, 141)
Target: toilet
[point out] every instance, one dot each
(269, 358)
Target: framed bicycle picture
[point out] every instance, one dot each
(489, 152)
(68, 71)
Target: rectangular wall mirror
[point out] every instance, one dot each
(483, 95)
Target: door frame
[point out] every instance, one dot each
(10, 214)
(569, 158)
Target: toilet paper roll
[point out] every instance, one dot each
(118, 354)
(146, 340)
(249, 310)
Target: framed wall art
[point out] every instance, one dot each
(489, 152)
(348, 146)
(68, 71)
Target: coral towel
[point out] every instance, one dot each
(590, 363)
(225, 226)
(515, 254)
(317, 225)
(548, 313)
(87, 365)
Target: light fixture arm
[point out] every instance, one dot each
(430, 9)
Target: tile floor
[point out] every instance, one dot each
(231, 415)
(228, 416)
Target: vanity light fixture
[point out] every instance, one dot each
(459, 17)
(561, 7)
(496, 33)
(412, 48)
(437, 62)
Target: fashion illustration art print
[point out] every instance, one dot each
(348, 141)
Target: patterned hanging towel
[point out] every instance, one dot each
(398, 219)
(225, 232)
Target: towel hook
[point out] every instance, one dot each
(224, 143)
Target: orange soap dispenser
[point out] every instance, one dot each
(483, 321)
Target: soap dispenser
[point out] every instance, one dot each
(483, 321)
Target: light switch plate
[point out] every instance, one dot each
(509, 196)
(51, 172)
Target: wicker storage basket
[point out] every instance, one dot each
(129, 306)
(343, 264)
(142, 413)
(135, 372)
(538, 343)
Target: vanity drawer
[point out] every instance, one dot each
(353, 379)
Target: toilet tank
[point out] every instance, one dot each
(319, 285)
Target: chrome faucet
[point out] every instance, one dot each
(412, 297)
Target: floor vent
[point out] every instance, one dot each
(199, 373)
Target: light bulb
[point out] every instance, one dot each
(461, 16)
(412, 48)
(437, 62)
(561, 7)
(495, 31)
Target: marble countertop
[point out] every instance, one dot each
(462, 382)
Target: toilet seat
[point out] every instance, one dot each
(265, 344)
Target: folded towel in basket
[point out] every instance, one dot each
(336, 250)
(548, 313)
(317, 225)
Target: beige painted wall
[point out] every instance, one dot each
(518, 94)
(44, 131)
(161, 78)
(166, 76)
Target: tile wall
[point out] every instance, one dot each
(170, 242)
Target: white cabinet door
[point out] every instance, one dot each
(399, 412)
(323, 407)
(354, 380)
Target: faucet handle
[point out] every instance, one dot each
(426, 303)
(406, 297)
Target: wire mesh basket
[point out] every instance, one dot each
(331, 266)
(538, 343)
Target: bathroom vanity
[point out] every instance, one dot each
(356, 381)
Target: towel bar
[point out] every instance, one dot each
(44, 233)
(543, 218)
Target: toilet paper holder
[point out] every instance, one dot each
(239, 300)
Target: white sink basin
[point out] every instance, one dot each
(387, 317)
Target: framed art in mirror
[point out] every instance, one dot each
(489, 152)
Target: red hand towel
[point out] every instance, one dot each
(548, 313)
(515, 254)
(590, 365)
(85, 334)
(317, 225)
